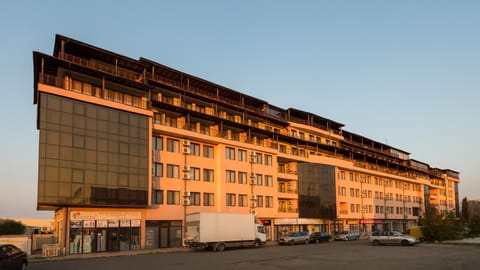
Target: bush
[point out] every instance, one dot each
(8, 226)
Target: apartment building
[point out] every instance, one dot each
(129, 147)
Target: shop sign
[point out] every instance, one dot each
(89, 223)
(136, 223)
(102, 223)
(97, 215)
(125, 223)
(113, 223)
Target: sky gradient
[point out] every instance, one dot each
(405, 73)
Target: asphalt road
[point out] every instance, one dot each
(331, 256)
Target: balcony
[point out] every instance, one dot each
(287, 210)
(93, 90)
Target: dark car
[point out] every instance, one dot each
(318, 237)
(12, 258)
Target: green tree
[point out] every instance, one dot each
(474, 226)
(440, 227)
(8, 226)
(465, 215)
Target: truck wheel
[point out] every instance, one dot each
(257, 243)
(220, 247)
(376, 243)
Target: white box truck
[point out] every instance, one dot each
(217, 231)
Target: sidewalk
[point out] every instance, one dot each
(34, 258)
(467, 241)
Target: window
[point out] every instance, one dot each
(230, 176)
(157, 197)
(350, 176)
(194, 198)
(242, 177)
(208, 199)
(195, 174)
(157, 169)
(268, 181)
(352, 192)
(172, 171)
(259, 201)
(268, 201)
(172, 145)
(194, 149)
(208, 175)
(242, 155)
(243, 200)
(157, 143)
(258, 158)
(259, 179)
(352, 208)
(283, 148)
(231, 198)
(268, 160)
(208, 151)
(173, 197)
(230, 153)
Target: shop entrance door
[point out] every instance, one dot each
(113, 241)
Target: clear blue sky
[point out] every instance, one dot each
(402, 72)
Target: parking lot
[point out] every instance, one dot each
(335, 255)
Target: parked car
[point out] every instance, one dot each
(347, 236)
(293, 238)
(392, 238)
(12, 258)
(318, 237)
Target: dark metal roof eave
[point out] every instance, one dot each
(336, 124)
(94, 50)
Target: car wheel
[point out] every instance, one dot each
(317, 241)
(291, 243)
(376, 243)
(404, 243)
(24, 266)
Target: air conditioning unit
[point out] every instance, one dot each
(186, 176)
(253, 198)
(186, 194)
(186, 143)
(186, 168)
(253, 159)
(252, 182)
(252, 176)
(186, 202)
(186, 150)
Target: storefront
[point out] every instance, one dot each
(163, 234)
(98, 231)
(285, 225)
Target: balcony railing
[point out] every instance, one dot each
(93, 90)
(287, 210)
